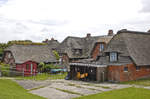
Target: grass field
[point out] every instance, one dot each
(127, 93)
(11, 90)
(43, 76)
(143, 82)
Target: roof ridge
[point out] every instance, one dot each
(134, 32)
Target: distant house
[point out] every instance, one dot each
(74, 49)
(125, 58)
(25, 58)
(52, 43)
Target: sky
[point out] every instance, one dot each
(38, 20)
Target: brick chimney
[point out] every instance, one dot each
(52, 39)
(148, 31)
(110, 33)
(88, 35)
(46, 40)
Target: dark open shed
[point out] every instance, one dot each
(88, 72)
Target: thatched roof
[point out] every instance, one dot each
(52, 43)
(133, 44)
(37, 53)
(86, 44)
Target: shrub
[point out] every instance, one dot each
(56, 54)
(47, 67)
(5, 69)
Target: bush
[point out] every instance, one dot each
(5, 69)
(56, 54)
(47, 67)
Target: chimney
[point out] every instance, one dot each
(148, 31)
(88, 35)
(110, 33)
(52, 39)
(46, 40)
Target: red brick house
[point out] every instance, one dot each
(74, 49)
(125, 58)
(25, 58)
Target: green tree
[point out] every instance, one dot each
(56, 54)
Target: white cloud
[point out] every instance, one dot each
(40, 19)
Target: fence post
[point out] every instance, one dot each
(0, 72)
(23, 72)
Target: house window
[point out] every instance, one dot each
(137, 68)
(77, 51)
(101, 47)
(113, 56)
(125, 69)
(27, 67)
(148, 67)
(61, 60)
(9, 55)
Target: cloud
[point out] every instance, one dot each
(50, 22)
(2, 2)
(145, 6)
(40, 19)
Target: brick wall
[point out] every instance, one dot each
(117, 73)
(96, 50)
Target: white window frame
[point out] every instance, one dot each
(101, 47)
(137, 68)
(113, 57)
(9, 55)
(125, 70)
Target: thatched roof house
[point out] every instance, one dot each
(126, 57)
(131, 47)
(37, 53)
(80, 48)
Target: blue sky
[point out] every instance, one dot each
(40, 19)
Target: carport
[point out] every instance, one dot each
(88, 72)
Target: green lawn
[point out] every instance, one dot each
(11, 90)
(43, 76)
(143, 82)
(127, 93)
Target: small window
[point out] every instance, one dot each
(77, 51)
(27, 67)
(148, 67)
(101, 47)
(113, 56)
(125, 69)
(137, 68)
(9, 55)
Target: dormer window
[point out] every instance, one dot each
(78, 51)
(113, 56)
(101, 47)
(9, 55)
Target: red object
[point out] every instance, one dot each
(117, 73)
(27, 68)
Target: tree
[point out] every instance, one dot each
(56, 54)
